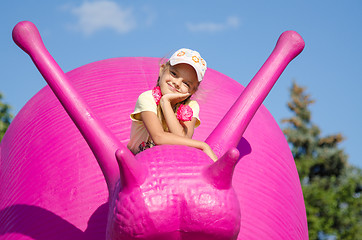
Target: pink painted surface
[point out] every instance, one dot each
(51, 186)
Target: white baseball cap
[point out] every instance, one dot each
(191, 57)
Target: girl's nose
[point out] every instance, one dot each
(177, 82)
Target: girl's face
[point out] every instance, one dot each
(180, 78)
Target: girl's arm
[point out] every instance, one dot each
(160, 137)
(186, 129)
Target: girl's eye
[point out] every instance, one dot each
(187, 84)
(173, 73)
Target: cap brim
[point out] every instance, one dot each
(174, 62)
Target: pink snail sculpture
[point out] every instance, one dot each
(51, 186)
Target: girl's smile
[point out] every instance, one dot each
(172, 88)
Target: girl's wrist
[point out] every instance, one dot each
(203, 146)
(164, 101)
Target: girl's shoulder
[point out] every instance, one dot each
(193, 103)
(146, 94)
(145, 102)
(146, 97)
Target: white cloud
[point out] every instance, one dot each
(231, 22)
(95, 16)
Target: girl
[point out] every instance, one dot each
(166, 114)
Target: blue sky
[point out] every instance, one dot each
(235, 37)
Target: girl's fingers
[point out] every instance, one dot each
(177, 96)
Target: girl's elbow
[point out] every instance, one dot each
(182, 134)
(158, 139)
(185, 133)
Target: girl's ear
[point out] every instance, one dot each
(162, 69)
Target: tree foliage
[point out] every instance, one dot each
(331, 187)
(5, 117)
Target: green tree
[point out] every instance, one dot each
(331, 187)
(5, 117)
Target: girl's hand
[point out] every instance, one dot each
(174, 98)
(207, 149)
